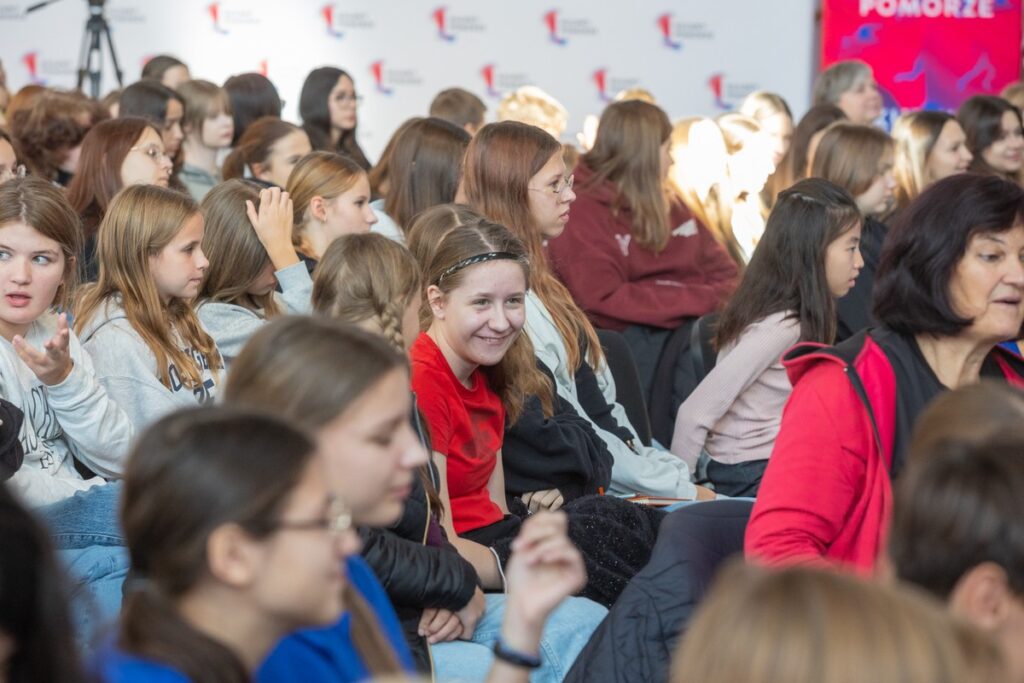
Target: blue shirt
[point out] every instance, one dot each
(328, 655)
(310, 656)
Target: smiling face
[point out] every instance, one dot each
(371, 451)
(550, 209)
(843, 262)
(32, 268)
(949, 155)
(146, 163)
(179, 267)
(1006, 154)
(988, 286)
(341, 104)
(476, 322)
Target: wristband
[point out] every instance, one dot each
(514, 657)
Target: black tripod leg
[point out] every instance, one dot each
(113, 55)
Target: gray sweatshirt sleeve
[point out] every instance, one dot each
(126, 369)
(231, 325)
(99, 430)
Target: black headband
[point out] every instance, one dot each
(479, 258)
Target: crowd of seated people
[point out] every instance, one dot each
(272, 412)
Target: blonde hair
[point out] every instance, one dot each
(850, 155)
(642, 94)
(237, 257)
(914, 135)
(367, 277)
(529, 104)
(140, 222)
(802, 625)
(1014, 94)
(700, 168)
(319, 174)
(516, 376)
(762, 104)
(627, 152)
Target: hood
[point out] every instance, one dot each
(109, 311)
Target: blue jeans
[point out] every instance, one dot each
(90, 546)
(567, 630)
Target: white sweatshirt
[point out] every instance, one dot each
(75, 418)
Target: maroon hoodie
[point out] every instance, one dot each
(619, 283)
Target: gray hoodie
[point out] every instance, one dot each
(231, 325)
(128, 371)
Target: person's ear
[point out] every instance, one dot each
(436, 301)
(318, 208)
(982, 596)
(233, 556)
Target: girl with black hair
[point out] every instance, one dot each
(327, 105)
(808, 256)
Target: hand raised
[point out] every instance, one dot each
(53, 363)
(273, 223)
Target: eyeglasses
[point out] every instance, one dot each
(152, 151)
(558, 188)
(13, 172)
(344, 98)
(337, 521)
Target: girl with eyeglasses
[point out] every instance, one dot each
(115, 154)
(514, 174)
(235, 541)
(327, 105)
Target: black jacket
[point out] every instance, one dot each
(562, 451)
(635, 642)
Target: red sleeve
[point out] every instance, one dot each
(815, 473)
(434, 406)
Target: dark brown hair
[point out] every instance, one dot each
(982, 119)
(424, 168)
(46, 131)
(793, 166)
(316, 116)
(189, 474)
(253, 96)
(255, 145)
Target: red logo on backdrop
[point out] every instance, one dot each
(600, 78)
(377, 71)
(551, 21)
(716, 83)
(214, 11)
(487, 73)
(327, 12)
(440, 16)
(31, 62)
(264, 69)
(665, 26)
(927, 54)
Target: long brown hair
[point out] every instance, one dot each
(189, 474)
(99, 167)
(42, 206)
(142, 220)
(318, 174)
(367, 277)
(851, 155)
(787, 271)
(425, 167)
(627, 152)
(516, 376)
(310, 370)
(793, 166)
(237, 257)
(500, 161)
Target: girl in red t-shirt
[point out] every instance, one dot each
(471, 369)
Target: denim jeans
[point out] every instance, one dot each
(90, 546)
(567, 630)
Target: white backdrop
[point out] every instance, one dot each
(696, 56)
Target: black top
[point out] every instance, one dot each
(854, 309)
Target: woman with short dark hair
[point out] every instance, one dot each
(949, 288)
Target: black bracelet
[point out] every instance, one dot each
(514, 657)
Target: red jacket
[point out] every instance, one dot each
(619, 283)
(826, 495)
